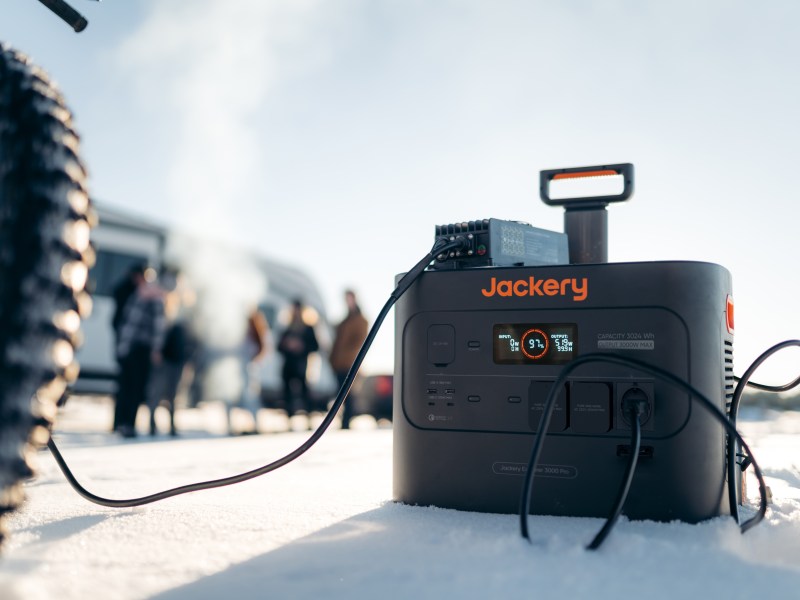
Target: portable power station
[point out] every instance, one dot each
(478, 349)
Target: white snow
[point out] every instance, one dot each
(326, 526)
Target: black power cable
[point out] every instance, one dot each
(733, 412)
(636, 443)
(409, 278)
(771, 388)
(68, 14)
(527, 489)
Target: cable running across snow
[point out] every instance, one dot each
(403, 285)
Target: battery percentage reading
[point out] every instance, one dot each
(535, 343)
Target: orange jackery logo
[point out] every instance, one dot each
(577, 288)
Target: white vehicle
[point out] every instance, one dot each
(123, 241)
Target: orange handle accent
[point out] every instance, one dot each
(603, 173)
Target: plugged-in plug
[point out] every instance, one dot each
(465, 249)
(636, 401)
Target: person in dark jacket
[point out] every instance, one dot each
(297, 342)
(123, 292)
(141, 338)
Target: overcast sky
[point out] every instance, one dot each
(335, 135)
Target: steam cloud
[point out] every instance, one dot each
(228, 285)
(210, 64)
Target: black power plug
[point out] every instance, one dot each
(636, 401)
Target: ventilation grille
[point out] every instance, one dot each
(730, 382)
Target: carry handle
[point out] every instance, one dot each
(622, 174)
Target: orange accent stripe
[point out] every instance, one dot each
(729, 314)
(602, 173)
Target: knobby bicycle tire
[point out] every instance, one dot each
(45, 253)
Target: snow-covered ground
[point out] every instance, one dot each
(325, 526)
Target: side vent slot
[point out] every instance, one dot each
(730, 382)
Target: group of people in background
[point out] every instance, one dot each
(154, 344)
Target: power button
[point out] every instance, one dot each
(441, 344)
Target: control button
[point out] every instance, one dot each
(537, 396)
(473, 344)
(441, 344)
(590, 407)
(514, 399)
(473, 398)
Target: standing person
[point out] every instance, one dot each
(253, 349)
(165, 378)
(350, 335)
(122, 293)
(141, 337)
(297, 342)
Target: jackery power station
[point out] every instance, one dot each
(481, 338)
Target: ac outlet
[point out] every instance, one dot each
(648, 390)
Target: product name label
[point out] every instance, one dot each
(578, 288)
(558, 471)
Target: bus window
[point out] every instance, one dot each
(110, 269)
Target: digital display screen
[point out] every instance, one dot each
(534, 343)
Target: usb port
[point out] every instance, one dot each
(450, 391)
(433, 391)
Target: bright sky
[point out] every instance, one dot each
(335, 135)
